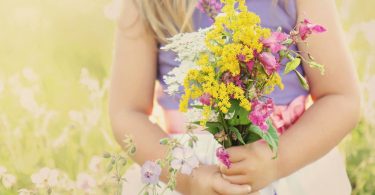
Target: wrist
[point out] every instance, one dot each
(280, 167)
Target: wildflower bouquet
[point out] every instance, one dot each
(228, 69)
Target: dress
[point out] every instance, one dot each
(326, 176)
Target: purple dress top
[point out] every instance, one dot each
(283, 14)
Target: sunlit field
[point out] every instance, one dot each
(55, 59)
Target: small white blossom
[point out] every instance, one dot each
(3, 170)
(175, 78)
(1, 87)
(184, 160)
(94, 164)
(85, 182)
(45, 177)
(195, 114)
(29, 74)
(113, 10)
(8, 180)
(188, 45)
(24, 191)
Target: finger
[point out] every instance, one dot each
(236, 154)
(237, 179)
(223, 186)
(234, 169)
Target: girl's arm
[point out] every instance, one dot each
(336, 109)
(131, 97)
(333, 115)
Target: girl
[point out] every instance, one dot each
(308, 161)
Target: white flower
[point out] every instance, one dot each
(1, 86)
(112, 10)
(29, 74)
(8, 180)
(24, 191)
(188, 45)
(3, 170)
(85, 182)
(45, 177)
(175, 78)
(184, 160)
(95, 163)
(195, 115)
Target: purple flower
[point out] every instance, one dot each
(223, 156)
(150, 172)
(261, 111)
(269, 62)
(275, 40)
(307, 28)
(184, 160)
(205, 99)
(210, 7)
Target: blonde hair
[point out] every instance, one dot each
(165, 18)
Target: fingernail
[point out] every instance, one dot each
(249, 189)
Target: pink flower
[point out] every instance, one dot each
(275, 40)
(261, 111)
(205, 99)
(307, 28)
(250, 66)
(150, 172)
(223, 157)
(210, 7)
(269, 62)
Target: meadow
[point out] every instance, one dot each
(55, 59)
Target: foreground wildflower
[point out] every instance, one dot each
(261, 111)
(223, 157)
(85, 182)
(184, 160)
(150, 172)
(8, 180)
(45, 178)
(307, 28)
(274, 42)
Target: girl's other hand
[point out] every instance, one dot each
(207, 180)
(252, 165)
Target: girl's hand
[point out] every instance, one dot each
(252, 164)
(207, 180)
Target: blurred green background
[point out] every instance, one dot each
(55, 61)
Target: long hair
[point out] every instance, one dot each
(165, 18)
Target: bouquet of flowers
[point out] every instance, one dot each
(228, 70)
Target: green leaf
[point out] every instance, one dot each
(271, 136)
(320, 67)
(292, 65)
(252, 137)
(287, 42)
(197, 106)
(238, 134)
(215, 124)
(302, 80)
(213, 130)
(240, 114)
